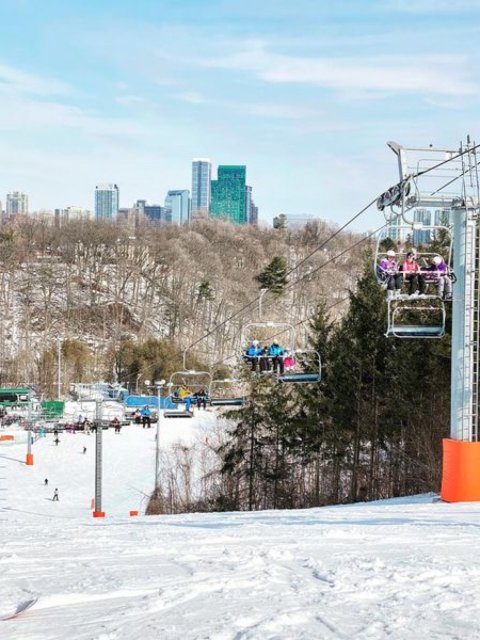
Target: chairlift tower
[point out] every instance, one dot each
(451, 182)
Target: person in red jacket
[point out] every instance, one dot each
(412, 274)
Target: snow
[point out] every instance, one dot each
(400, 569)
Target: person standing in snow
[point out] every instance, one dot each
(146, 417)
(46, 482)
(55, 496)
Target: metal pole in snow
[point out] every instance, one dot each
(59, 368)
(98, 513)
(159, 386)
(29, 456)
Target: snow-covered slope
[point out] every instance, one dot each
(399, 569)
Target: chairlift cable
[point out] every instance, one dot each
(325, 242)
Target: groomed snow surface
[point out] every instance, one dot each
(397, 569)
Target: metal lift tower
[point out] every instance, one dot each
(446, 182)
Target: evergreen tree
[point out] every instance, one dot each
(274, 277)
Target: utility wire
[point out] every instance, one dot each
(325, 242)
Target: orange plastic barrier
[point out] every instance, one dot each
(5, 438)
(29, 459)
(134, 513)
(99, 514)
(461, 471)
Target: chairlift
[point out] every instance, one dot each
(194, 381)
(177, 413)
(266, 332)
(228, 392)
(416, 317)
(306, 367)
(420, 236)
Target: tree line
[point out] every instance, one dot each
(372, 428)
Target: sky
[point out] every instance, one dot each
(402, 569)
(305, 94)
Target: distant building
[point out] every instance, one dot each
(177, 206)
(396, 230)
(201, 178)
(72, 213)
(422, 236)
(140, 205)
(253, 213)
(155, 213)
(229, 194)
(107, 198)
(17, 203)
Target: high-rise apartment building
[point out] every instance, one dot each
(177, 206)
(17, 202)
(201, 178)
(107, 197)
(229, 194)
(422, 236)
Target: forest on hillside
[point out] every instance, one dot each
(372, 428)
(122, 303)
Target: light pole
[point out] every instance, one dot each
(59, 367)
(29, 456)
(98, 513)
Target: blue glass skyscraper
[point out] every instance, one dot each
(201, 175)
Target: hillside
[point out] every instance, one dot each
(89, 286)
(403, 568)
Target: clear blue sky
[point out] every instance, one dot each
(305, 93)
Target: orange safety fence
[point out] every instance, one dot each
(461, 471)
(5, 438)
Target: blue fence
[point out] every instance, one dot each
(137, 402)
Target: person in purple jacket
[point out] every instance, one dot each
(388, 270)
(438, 272)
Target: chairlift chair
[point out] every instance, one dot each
(266, 332)
(228, 392)
(410, 231)
(420, 317)
(307, 367)
(191, 379)
(177, 413)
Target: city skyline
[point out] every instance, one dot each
(305, 95)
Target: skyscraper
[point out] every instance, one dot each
(107, 198)
(422, 236)
(177, 206)
(229, 194)
(17, 202)
(201, 175)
